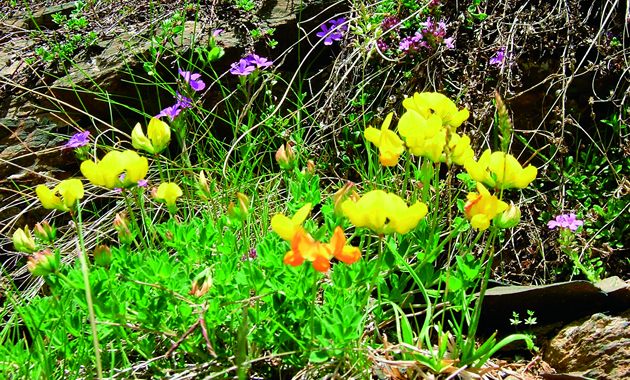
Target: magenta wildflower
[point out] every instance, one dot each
(242, 67)
(566, 221)
(193, 80)
(171, 112)
(217, 32)
(78, 140)
(449, 43)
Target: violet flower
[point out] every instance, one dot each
(141, 183)
(259, 61)
(339, 24)
(171, 112)
(499, 58)
(182, 101)
(217, 32)
(78, 140)
(449, 42)
(193, 80)
(242, 67)
(331, 33)
(566, 221)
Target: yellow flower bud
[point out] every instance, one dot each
(23, 240)
(508, 218)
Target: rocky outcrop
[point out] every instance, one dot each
(596, 347)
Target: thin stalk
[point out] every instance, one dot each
(132, 215)
(88, 293)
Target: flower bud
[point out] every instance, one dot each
(23, 240)
(201, 284)
(43, 263)
(204, 188)
(45, 232)
(508, 218)
(286, 157)
(340, 196)
(123, 226)
(243, 203)
(120, 222)
(310, 167)
(102, 256)
(233, 213)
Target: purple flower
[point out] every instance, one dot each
(449, 43)
(338, 24)
(566, 221)
(390, 23)
(499, 58)
(252, 255)
(141, 183)
(193, 79)
(258, 61)
(329, 35)
(171, 112)
(217, 32)
(182, 101)
(78, 140)
(242, 67)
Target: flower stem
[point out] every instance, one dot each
(88, 293)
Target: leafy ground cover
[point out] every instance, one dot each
(334, 208)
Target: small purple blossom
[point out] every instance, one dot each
(260, 62)
(338, 24)
(217, 32)
(499, 58)
(566, 221)
(449, 42)
(171, 112)
(193, 80)
(242, 67)
(141, 183)
(182, 101)
(78, 140)
(390, 23)
(250, 255)
(328, 34)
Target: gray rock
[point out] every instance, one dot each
(597, 347)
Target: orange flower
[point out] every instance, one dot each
(304, 247)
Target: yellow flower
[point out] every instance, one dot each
(107, 172)
(384, 213)
(389, 145)
(70, 190)
(159, 136)
(428, 104)
(23, 240)
(304, 247)
(460, 149)
(286, 227)
(168, 193)
(482, 207)
(500, 170)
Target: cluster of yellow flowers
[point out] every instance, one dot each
(430, 119)
(116, 170)
(429, 129)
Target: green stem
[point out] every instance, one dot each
(484, 284)
(156, 157)
(145, 219)
(313, 299)
(132, 215)
(88, 293)
(377, 271)
(66, 280)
